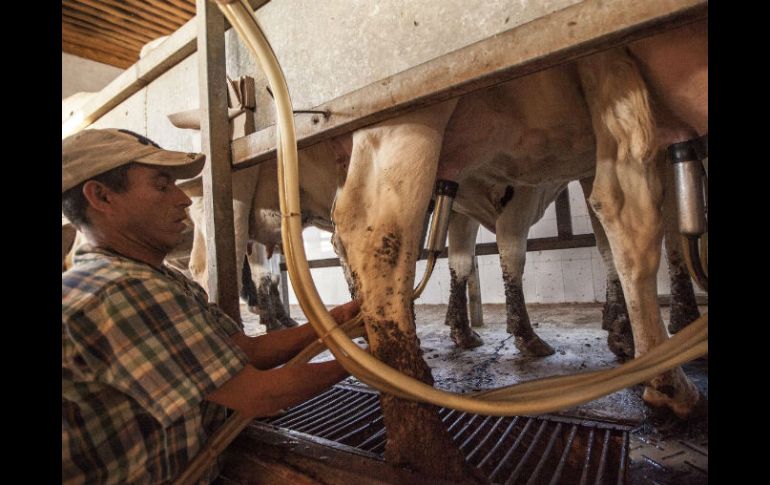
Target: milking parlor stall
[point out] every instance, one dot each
(513, 191)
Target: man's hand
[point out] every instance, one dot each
(343, 313)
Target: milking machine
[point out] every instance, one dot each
(691, 201)
(529, 398)
(445, 193)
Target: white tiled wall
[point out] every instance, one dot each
(564, 275)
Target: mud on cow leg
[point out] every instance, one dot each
(462, 242)
(627, 198)
(512, 227)
(620, 338)
(378, 215)
(525, 338)
(457, 314)
(684, 306)
(280, 311)
(249, 289)
(265, 307)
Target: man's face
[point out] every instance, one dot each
(151, 213)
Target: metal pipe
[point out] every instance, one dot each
(530, 449)
(533, 479)
(567, 448)
(445, 191)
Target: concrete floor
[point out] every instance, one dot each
(663, 449)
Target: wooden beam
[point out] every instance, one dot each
(176, 48)
(97, 41)
(101, 24)
(159, 20)
(159, 25)
(95, 54)
(185, 6)
(263, 455)
(167, 7)
(89, 34)
(565, 35)
(152, 9)
(223, 272)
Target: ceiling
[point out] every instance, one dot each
(114, 31)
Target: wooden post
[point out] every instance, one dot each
(474, 296)
(215, 143)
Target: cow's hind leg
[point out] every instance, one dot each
(512, 229)
(627, 199)
(378, 218)
(462, 246)
(615, 319)
(260, 271)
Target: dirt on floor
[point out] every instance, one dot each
(663, 449)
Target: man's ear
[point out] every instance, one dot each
(98, 195)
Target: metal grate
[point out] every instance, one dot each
(509, 450)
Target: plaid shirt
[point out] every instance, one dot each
(141, 347)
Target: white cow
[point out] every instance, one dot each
(257, 220)
(509, 211)
(590, 117)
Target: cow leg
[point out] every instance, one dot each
(512, 228)
(275, 295)
(243, 187)
(462, 246)
(260, 272)
(378, 216)
(627, 199)
(248, 288)
(615, 318)
(197, 265)
(684, 307)
(265, 299)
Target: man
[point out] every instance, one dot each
(148, 365)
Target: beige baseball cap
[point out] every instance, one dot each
(89, 153)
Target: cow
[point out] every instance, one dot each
(509, 210)
(591, 117)
(257, 222)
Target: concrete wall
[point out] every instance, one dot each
(333, 47)
(78, 74)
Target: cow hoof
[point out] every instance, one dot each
(272, 325)
(466, 340)
(681, 402)
(289, 322)
(533, 347)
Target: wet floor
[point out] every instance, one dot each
(663, 449)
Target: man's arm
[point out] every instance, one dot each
(261, 393)
(276, 348)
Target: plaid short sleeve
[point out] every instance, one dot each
(157, 344)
